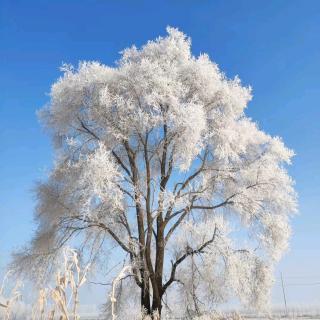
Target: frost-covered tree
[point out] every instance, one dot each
(157, 156)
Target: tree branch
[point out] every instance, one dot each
(120, 162)
(177, 223)
(188, 253)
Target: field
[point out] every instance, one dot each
(23, 313)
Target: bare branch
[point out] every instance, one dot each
(188, 253)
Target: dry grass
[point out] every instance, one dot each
(58, 302)
(9, 296)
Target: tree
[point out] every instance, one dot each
(157, 156)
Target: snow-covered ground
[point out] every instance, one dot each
(300, 314)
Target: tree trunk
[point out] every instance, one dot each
(145, 301)
(157, 294)
(157, 305)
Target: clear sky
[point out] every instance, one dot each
(272, 45)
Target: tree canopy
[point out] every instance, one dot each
(157, 156)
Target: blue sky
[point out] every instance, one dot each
(272, 45)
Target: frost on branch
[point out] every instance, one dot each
(157, 156)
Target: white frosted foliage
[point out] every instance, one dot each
(157, 156)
